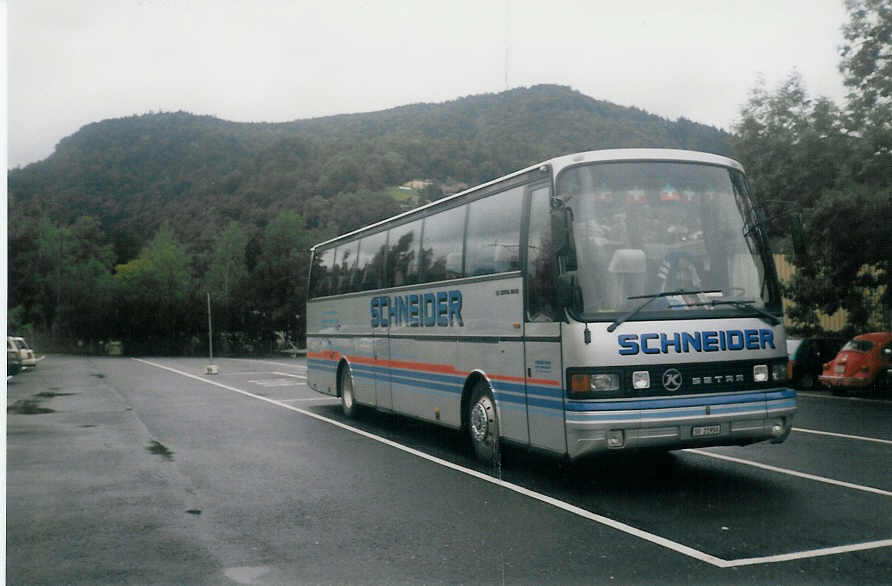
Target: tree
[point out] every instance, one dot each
(866, 66)
(280, 278)
(834, 165)
(226, 279)
(227, 270)
(154, 292)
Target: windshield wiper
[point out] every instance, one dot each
(742, 304)
(650, 298)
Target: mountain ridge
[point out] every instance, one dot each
(199, 172)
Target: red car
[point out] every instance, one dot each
(864, 363)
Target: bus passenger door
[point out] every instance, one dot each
(542, 329)
(381, 352)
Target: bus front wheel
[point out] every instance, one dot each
(348, 401)
(483, 424)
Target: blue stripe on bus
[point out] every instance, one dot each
(663, 403)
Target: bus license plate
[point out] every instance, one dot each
(706, 430)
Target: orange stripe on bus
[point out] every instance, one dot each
(427, 367)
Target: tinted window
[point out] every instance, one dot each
(441, 256)
(346, 263)
(370, 263)
(322, 277)
(402, 263)
(493, 244)
(540, 259)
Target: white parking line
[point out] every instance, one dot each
(302, 367)
(843, 435)
(788, 472)
(839, 398)
(334, 399)
(291, 375)
(628, 529)
(275, 382)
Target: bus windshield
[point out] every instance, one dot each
(650, 228)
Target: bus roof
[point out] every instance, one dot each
(557, 164)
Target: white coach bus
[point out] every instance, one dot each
(606, 300)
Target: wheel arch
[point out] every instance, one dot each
(343, 365)
(476, 376)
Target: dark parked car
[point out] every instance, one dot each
(807, 358)
(864, 363)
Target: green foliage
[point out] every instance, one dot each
(153, 291)
(227, 274)
(123, 231)
(835, 165)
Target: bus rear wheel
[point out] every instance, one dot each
(348, 401)
(483, 424)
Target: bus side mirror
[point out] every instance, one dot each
(562, 235)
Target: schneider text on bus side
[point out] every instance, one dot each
(428, 310)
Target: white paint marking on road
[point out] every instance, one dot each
(308, 399)
(838, 398)
(789, 472)
(843, 435)
(799, 555)
(291, 375)
(619, 526)
(275, 382)
(302, 367)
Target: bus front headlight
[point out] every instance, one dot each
(594, 383)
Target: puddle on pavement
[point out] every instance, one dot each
(160, 449)
(28, 407)
(50, 395)
(98, 375)
(194, 511)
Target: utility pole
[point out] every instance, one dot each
(211, 367)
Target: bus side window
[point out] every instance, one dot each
(346, 257)
(540, 259)
(443, 236)
(370, 265)
(493, 243)
(321, 277)
(402, 257)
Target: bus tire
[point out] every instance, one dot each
(348, 399)
(483, 424)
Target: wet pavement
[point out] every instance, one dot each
(148, 472)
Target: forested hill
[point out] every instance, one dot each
(199, 173)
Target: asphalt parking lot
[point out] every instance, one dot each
(147, 471)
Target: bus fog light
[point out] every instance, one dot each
(777, 430)
(760, 373)
(615, 438)
(641, 379)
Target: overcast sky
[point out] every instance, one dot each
(72, 62)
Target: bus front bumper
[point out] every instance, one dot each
(679, 422)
